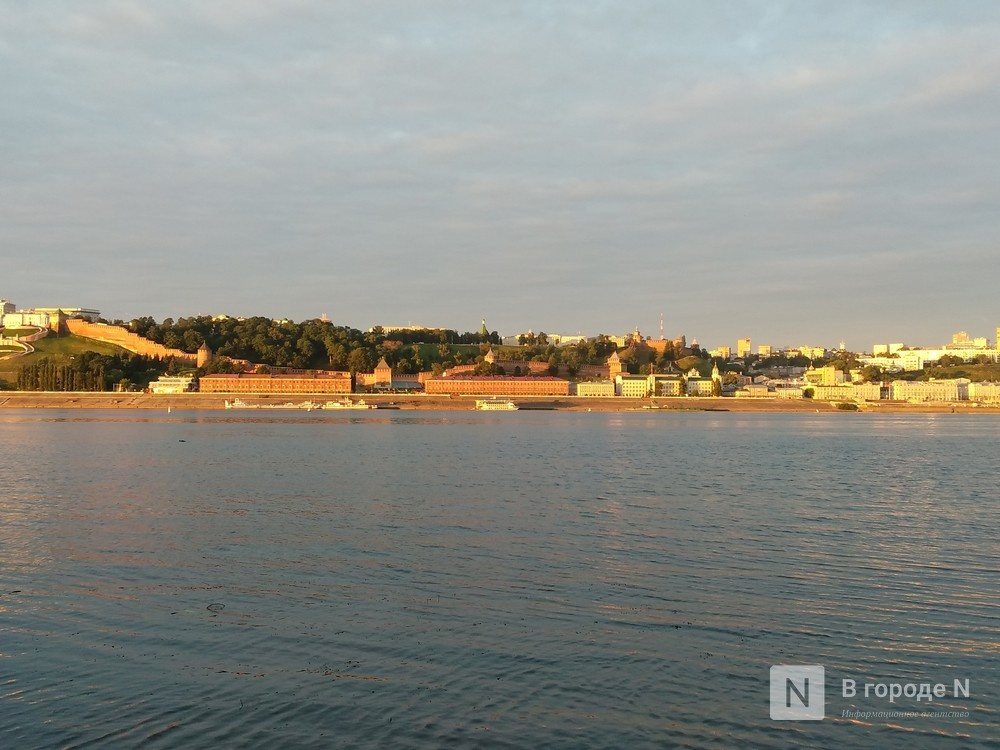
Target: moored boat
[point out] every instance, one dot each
(495, 404)
(237, 403)
(346, 403)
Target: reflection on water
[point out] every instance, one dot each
(198, 416)
(551, 580)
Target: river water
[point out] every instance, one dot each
(510, 580)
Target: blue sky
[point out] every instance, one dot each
(796, 172)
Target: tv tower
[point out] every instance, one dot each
(661, 326)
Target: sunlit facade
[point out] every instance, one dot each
(316, 382)
(486, 385)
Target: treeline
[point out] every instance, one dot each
(91, 371)
(440, 336)
(572, 357)
(309, 344)
(644, 360)
(316, 344)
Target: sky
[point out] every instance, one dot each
(794, 172)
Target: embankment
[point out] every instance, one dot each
(48, 400)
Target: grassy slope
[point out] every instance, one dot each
(55, 346)
(13, 333)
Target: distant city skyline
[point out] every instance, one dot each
(751, 345)
(789, 172)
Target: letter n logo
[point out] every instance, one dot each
(798, 692)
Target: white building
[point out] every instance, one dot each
(755, 390)
(788, 392)
(931, 390)
(559, 339)
(842, 392)
(26, 319)
(41, 317)
(70, 312)
(172, 384)
(828, 375)
(984, 392)
(906, 361)
(632, 386)
(665, 385)
(699, 386)
(597, 388)
(868, 391)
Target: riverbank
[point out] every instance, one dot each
(36, 400)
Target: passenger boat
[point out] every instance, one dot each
(241, 404)
(238, 403)
(495, 404)
(346, 403)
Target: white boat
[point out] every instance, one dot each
(346, 403)
(495, 404)
(238, 403)
(241, 404)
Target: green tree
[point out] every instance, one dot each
(336, 356)
(192, 340)
(360, 360)
(950, 360)
(573, 361)
(872, 374)
(553, 364)
(488, 368)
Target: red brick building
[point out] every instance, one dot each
(307, 382)
(496, 385)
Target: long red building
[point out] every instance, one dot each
(497, 385)
(309, 382)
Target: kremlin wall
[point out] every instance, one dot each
(124, 338)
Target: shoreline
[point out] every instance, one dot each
(406, 402)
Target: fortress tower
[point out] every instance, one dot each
(204, 355)
(383, 373)
(614, 365)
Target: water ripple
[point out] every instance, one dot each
(558, 580)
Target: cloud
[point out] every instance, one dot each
(112, 20)
(638, 153)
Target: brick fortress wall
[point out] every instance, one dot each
(124, 338)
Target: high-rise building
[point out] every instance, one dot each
(742, 347)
